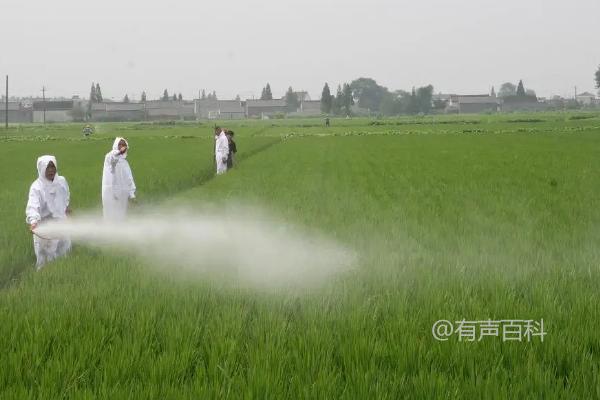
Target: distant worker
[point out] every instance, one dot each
(221, 151)
(327, 122)
(217, 133)
(232, 149)
(118, 187)
(48, 200)
(87, 130)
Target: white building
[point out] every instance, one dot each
(586, 99)
(54, 110)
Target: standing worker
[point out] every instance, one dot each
(118, 187)
(221, 151)
(232, 149)
(49, 198)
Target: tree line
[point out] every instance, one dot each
(96, 96)
(367, 94)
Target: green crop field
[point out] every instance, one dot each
(451, 217)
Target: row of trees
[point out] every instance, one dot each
(96, 96)
(266, 93)
(339, 104)
(369, 95)
(175, 97)
(95, 93)
(509, 89)
(210, 96)
(292, 101)
(365, 92)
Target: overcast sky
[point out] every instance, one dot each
(235, 47)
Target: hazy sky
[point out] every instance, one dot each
(459, 46)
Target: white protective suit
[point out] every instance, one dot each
(221, 152)
(48, 200)
(117, 183)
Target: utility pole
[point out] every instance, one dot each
(44, 102)
(6, 106)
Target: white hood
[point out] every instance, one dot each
(116, 146)
(47, 198)
(42, 164)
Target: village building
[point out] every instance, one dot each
(170, 110)
(265, 108)
(586, 98)
(118, 111)
(58, 110)
(219, 109)
(17, 112)
(472, 104)
(308, 108)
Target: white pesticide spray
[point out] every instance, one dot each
(245, 245)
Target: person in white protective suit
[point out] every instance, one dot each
(48, 200)
(221, 151)
(118, 187)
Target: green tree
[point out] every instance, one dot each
(203, 97)
(214, 95)
(413, 103)
(507, 89)
(165, 96)
(99, 98)
(93, 98)
(347, 99)
(423, 99)
(180, 97)
(126, 99)
(266, 93)
(326, 100)
(143, 97)
(368, 93)
(390, 105)
(337, 101)
(520, 89)
(405, 101)
(598, 78)
(291, 100)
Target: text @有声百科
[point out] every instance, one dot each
(518, 330)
